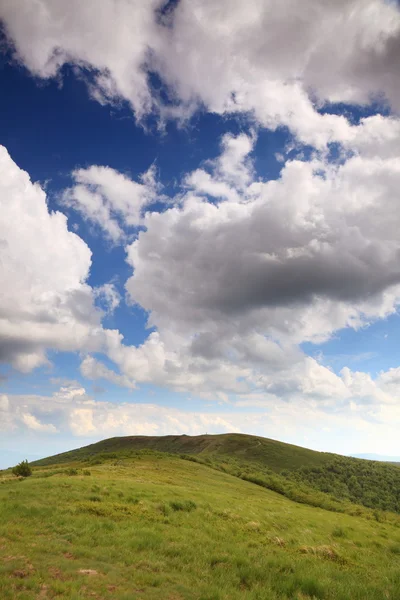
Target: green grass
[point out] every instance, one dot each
(159, 527)
(276, 455)
(317, 478)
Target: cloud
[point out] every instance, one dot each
(264, 58)
(112, 43)
(109, 297)
(33, 423)
(80, 415)
(93, 369)
(44, 302)
(271, 59)
(110, 199)
(234, 285)
(344, 426)
(272, 264)
(4, 404)
(237, 271)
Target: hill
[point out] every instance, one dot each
(155, 527)
(317, 478)
(276, 455)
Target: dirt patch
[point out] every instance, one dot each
(11, 558)
(254, 525)
(24, 572)
(43, 592)
(279, 541)
(20, 573)
(325, 552)
(57, 574)
(90, 572)
(69, 556)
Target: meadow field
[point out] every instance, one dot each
(156, 526)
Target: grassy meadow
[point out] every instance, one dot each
(156, 526)
(320, 479)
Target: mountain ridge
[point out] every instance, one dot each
(331, 481)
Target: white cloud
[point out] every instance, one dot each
(4, 404)
(93, 369)
(81, 421)
(80, 415)
(352, 425)
(113, 42)
(271, 58)
(110, 199)
(109, 296)
(44, 301)
(33, 423)
(233, 287)
(264, 57)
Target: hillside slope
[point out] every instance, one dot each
(317, 478)
(269, 453)
(156, 527)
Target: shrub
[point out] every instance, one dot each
(71, 472)
(87, 473)
(339, 532)
(186, 505)
(95, 498)
(22, 469)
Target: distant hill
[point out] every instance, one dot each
(257, 450)
(320, 479)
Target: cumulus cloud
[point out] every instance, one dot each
(4, 404)
(364, 421)
(110, 199)
(109, 297)
(44, 300)
(270, 58)
(238, 271)
(111, 43)
(265, 57)
(33, 423)
(80, 415)
(233, 286)
(93, 369)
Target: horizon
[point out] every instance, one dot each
(190, 244)
(5, 464)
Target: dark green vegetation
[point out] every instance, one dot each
(317, 478)
(155, 527)
(22, 469)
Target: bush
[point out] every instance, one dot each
(22, 469)
(186, 505)
(71, 472)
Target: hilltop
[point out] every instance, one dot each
(154, 526)
(320, 479)
(276, 455)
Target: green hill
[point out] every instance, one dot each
(153, 526)
(320, 479)
(276, 455)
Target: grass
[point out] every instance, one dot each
(159, 527)
(262, 451)
(317, 478)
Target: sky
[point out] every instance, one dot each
(199, 222)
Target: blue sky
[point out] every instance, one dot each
(199, 225)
